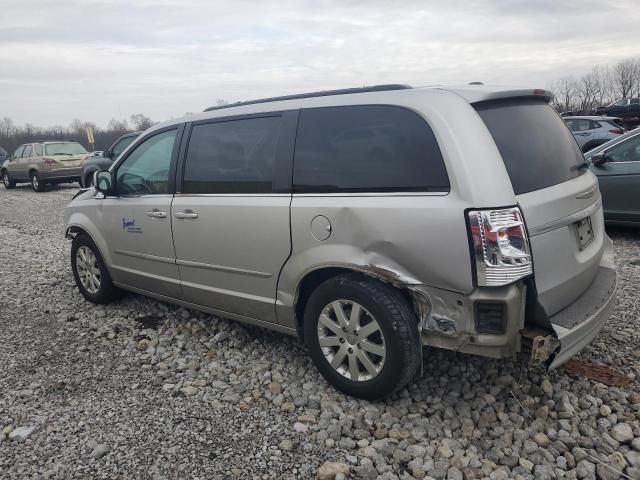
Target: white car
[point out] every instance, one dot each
(591, 131)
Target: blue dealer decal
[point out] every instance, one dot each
(130, 226)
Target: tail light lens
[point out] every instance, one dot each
(49, 162)
(617, 131)
(500, 246)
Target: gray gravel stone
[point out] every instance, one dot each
(21, 433)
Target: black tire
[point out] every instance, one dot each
(36, 183)
(107, 290)
(397, 322)
(88, 181)
(7, 181)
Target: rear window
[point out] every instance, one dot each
(536, 146)
(64, 149)
(366, 148)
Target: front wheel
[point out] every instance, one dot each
(362, 335)
(7, 181)
(37, 184)
(90, 272)
(88, 181)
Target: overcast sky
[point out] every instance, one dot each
(100, 59)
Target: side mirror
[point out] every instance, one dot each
(103, 181)
(599, 159)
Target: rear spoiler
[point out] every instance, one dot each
(482, 93)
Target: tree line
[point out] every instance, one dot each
(602, 85)
(12, 136)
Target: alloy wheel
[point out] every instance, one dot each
(351, 340)
(88, 269)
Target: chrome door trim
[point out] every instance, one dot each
(373, 194)
(145, 256)
(220, 268)
(568, 220)
(230, 195)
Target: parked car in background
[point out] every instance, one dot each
(591, 131)
(43, 163)
(617, 166)
(626, 108)
(103, 162)
(368, 221)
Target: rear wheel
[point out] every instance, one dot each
(89, 271)
(37, 184)
(362, 335)
(7, 181)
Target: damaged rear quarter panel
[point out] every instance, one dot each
(400, 239)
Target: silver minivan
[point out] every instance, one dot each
(369, 222)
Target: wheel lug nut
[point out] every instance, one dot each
(351, 350)
(342, 340)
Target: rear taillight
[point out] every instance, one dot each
(617, 131)
(49, 162)
(500, 246)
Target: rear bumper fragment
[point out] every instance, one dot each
(577, 324)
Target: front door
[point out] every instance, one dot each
(230, 224)
(16, 167)
(619, 180)
(136, 219)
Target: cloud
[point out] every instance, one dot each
(101, 59)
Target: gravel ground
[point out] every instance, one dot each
(142, 389)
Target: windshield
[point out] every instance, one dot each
(536, 146)
(64, 149)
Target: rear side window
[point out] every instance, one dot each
(234, 156)
(537, 148)
(38, 149)
(366, 149)
(27, 151)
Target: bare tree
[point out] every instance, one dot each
(626, 77)
(120, 126)
(140, 121)
(587, 90)
(565, 92)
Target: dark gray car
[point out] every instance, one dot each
(617, 166)
(95, 164)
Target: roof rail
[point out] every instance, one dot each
(325, 93)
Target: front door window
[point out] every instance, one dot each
(146, 170)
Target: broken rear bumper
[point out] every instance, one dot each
(578, 323)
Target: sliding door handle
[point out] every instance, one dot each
(186, 214)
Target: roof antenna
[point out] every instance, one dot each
(476, 83)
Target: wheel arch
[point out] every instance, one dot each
(313, 278)
(80, 224)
